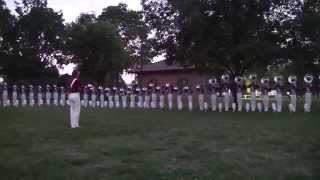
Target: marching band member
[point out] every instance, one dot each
(110, 97)
(62, 96)
(308, 79)
(169, 92)
(15, 101)
(253, 89)
(293, 93)
(101, 96)
(213, 89)
(93, 97)
(265, 86)
(74, 99)
(188, 92)
(123, 95)
(162, 97)
(40, 96)
(146, 97)
(225, 90)
(23, 97)
(200, 92)
(55, 95)
(153, 96)
(178, 92)
(132, 95)
(116, 97)
(239, 88)
(158, 94)
(279, 89)
(85, 96)
(5, 95)
(140, 97)
(31, 96)
(48, 95)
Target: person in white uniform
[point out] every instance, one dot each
(5, 99)
(15, 101)
(213, 89)
(279, 89)
(253, 90)
(226, 91)
(308, 80)
(85, 97)
(93, 97)
(187, 93)
(116, 97)
(154, 96)
(239, 88)
(23, 97)
(178, 91)
(169, 92)
(132, 94)
(200, 92)
(55, 95)
(62, 96)
(40, 96)
(101, 96)
(292, 93)
(265, 87)
(139, 92)
(31, 96)
(48, 95)
(74, 99)
(110, 97)
(124, 98)
(161, 97)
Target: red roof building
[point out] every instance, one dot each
(161, 73)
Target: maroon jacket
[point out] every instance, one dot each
(74, 86)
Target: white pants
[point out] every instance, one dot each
(253, 101)
(15, 101)
(170, 104)
(265, 99)
(40, 100)
(239, 101)
(293, 102)
(75, 107)
(55, 99)
(140, 101)
(124, 102)
(279, 102)
(110, 101)
(226, 101)
(153, 100)
(23, 99)
(146, 102)
(31, 99)
(190, 103)
(201, 102)
(85, 100)
(117, 101)
(179, 102)
(213, 98)
(4, 98)
(63, 99)
(101, 101)
(161, 103)
(308, 101)
(132, 101)
(48, 98)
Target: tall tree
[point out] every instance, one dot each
(133, 31)
(227, 36)
(97, 49)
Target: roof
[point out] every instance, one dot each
(161, 66)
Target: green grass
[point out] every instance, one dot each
(35, 144)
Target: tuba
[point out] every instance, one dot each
(308, 78)
(292, 79)
(225, 78)
(238, 80)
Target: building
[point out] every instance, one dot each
(161, 73)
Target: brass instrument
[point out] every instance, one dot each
(292, 79)
(308, 78)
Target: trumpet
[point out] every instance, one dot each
(225, 77)
(278, 79)
(265, 80)
(292, 79)
(308, 78)
(238, 79)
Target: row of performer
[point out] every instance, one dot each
(218, 96)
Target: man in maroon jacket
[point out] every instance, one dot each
(74, 99)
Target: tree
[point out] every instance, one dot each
(132, 30)
(97, 49)
(234, 36)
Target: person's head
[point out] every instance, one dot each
(76, 73)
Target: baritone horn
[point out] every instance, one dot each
(308, 78)
(292, 79)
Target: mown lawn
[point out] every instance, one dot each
(35, 144)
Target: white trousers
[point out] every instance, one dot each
(75, 107)
(239, 101)
(253, 101)
(201, 102)
(132, 101)
(85, 100)
(124, 102)
(179, 102)
(117, 101)
(110, 101)
(308, 101)
(190, 103)
(153, 100)
(293, 102)
(213, 98)
(5, 98)
(170, 104)
(279, 102)
(101, 101)
(31, 99)
(63, 99)
(226, 101)
(23, 99)
(140, 101)
(48, 98)
(265, 99)
(15, 101)
(161, 102)
(40, 100)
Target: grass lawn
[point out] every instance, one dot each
(35, 144)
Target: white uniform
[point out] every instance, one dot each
(308, 98)
(253, 96)
(213, 96)
(170, 100)
(146, 103)
(62, 97)
(140, 98)
(110, 100)
(5, 96)
(48, 96)
(265, 97)
(93, 98)
(101, 98)
(40, 96)
(153, 100)
(85, 97)
(161, 100)
(15, 101)
(200, 98)
(55, 96)
(279, 98)
(75, 105)
(23, 97)
(123, 98)
(179, 101)
(239, 97)
(31, 96)
(132, 100)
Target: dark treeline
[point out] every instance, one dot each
(265, 37)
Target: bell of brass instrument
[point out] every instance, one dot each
(265, 80)
(225, 78)
(238, 79)
(308, 78)
(292, 79)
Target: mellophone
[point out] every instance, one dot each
(220, 95)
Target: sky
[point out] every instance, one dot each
(71, 9)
